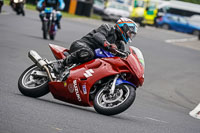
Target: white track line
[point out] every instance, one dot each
(153, 119)
(147, 118)
(181, 40)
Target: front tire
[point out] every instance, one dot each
(32, 86)
(45, 29)
(122, 99)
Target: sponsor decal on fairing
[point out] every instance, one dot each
(71, 88)
(65, 84)
(84, 89)
(76, 90)
(88, 73)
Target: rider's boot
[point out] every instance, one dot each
(58, 67)
(62, 67)
(67, 62)
(61, 71)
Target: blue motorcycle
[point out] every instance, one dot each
(49, 26)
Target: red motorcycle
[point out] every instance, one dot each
(107, 82)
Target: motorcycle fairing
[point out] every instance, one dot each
(66, 90)
(136, 67)
(77, 87)
(136, 61)
(139, 54)
(58, 51)
(100, 53)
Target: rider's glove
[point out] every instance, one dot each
(111, 47)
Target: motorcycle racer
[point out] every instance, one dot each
(106, 37)
(56, 4)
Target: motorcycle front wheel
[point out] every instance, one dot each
(33, 86)
(45, 29)
(122, 99)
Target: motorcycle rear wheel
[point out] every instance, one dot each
(33, 86)
(122, 99)
(52, 36)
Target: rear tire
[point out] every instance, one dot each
(30, 86)
(122, 99)
(52, 37)
(45, 29)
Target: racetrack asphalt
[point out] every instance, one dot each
(170, 91)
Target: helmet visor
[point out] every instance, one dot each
(131, 35)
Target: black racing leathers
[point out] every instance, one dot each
(83, 50)
(95, 39)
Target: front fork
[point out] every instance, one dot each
(118, 81)
(114, 84)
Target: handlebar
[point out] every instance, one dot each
(113, 49)
(124, 54)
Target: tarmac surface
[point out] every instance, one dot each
(170, 91)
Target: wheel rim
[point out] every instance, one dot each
(31, 82)
(105, 100)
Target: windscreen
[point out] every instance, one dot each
(139, 55)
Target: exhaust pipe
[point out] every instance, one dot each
(36, 58)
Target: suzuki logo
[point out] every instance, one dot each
(77, 91)
(88, 73)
